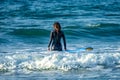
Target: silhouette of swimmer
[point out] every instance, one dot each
(55, 38)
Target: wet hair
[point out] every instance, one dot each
(57, 25)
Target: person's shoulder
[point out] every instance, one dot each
(53, 32)
(62, 32)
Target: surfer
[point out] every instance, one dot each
(55, 38)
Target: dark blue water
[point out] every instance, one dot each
(25, 26)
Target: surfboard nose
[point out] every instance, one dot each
(89, 48)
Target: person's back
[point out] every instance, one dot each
(55, 38)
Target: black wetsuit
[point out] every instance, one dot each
(55, 39)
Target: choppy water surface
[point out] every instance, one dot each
(25, 26)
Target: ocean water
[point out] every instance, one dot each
(25, 26)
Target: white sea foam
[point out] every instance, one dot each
(59, 61)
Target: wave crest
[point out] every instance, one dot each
(59, 61)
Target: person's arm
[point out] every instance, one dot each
(50, 41)
(64, 40)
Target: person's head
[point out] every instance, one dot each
(57, 26)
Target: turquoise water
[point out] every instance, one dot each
(25, 26)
